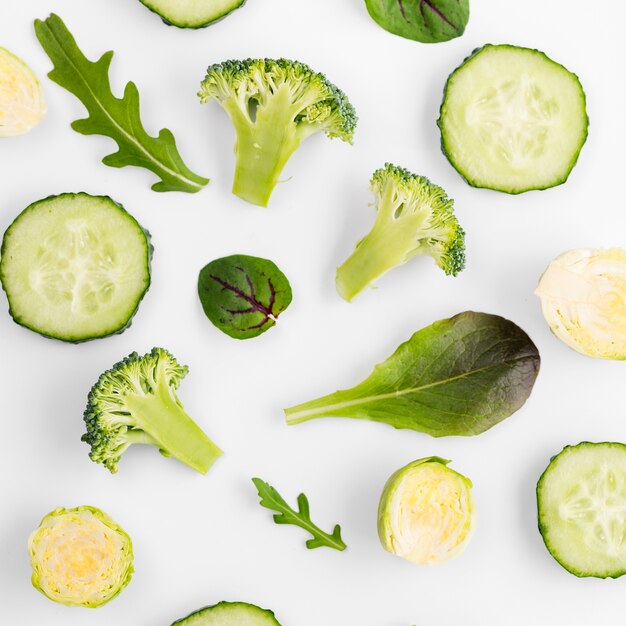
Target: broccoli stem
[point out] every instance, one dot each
(170, 428)
(372, 257)
(263, 146)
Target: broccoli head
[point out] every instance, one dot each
(135, 402)
(274, 105)
(413, 217)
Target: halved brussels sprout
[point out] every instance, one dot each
(426, 512)
(583, 298)
(22, 104)
(80, 557)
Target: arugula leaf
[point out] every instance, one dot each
(428, 21)
(271, 499)
(243, 295)
(117, 118)
(458, 376)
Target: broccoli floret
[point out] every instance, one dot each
(135, 402)
(274, 105)
(414, 217)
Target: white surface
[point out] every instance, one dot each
(200, 539)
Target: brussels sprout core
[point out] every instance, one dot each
(80, 557)
(22, 103)
(426, 512)
(583, 298)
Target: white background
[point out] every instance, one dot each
(201, 539)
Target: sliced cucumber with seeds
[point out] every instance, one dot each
(513, 120)
(581, 499)
(192, 13)
(75, 267)
(229, 614)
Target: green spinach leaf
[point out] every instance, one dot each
(117, 118)
(271, 499)
(243, 295)
(428, 21)
(458, 376)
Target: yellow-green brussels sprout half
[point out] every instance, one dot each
(583, 298)
(426, 512)
(80, 557)
(22, 103)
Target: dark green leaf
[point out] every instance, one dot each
(117, 118)
(459, 376)
(243, 295)
(428, 21)
(271, 499)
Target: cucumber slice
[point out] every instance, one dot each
(192, 13)
(581, 499)
(512, 119)
(75, 267)
(229, 614)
